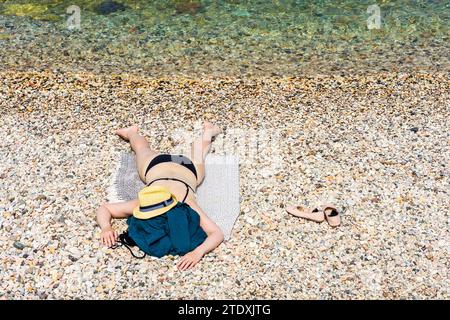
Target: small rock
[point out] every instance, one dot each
(107, 7)
(5, 36)
(72, 258)
(414, 129)
(21, 203)
(18, 245)
(191, 7)
(262, 225)
(241, 13)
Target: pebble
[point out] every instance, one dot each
(108, 7)
(72, 258)
(41, 197)
(18, 245)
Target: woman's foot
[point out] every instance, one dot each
(125, 132)
(210, 131)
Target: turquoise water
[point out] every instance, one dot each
(226, 38)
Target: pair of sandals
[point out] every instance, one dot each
(325, 212)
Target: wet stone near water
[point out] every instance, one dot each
(107, 7)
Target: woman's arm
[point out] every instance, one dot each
(215, 237)
(108, 211)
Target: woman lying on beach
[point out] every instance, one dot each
(158, 222)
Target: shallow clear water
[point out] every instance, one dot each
(226, 38)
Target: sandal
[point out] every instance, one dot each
(331, 215)
(315, 214)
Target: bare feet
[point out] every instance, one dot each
(125, 132)
(210, 131)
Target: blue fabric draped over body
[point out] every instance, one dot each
(175, 232)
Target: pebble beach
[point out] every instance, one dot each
(375, 144)
(323, 101)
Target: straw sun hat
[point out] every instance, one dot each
(154, 201)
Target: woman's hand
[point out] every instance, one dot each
(189, 260)
(108, 236)
(108, 211)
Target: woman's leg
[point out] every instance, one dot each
(140, 146)
(201, 147)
